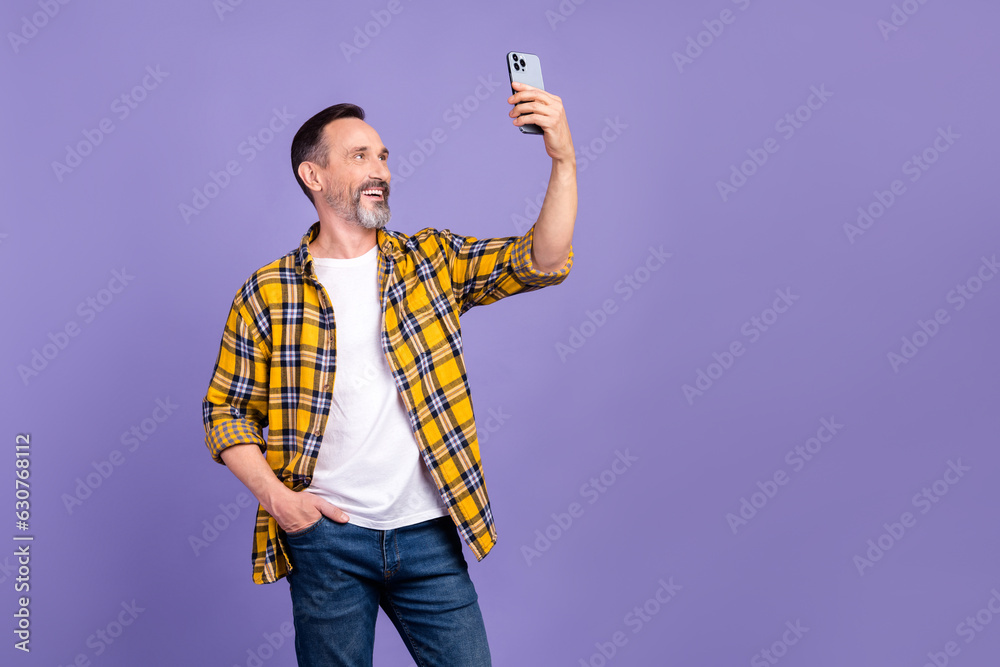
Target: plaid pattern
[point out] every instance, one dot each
(277, 362)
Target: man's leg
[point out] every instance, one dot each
(430, 598)
(335, 589)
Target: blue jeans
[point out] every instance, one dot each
(417, 574)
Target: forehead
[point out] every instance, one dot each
(345, 134)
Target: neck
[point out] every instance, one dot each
(338, 239)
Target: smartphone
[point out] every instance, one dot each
(526, 68)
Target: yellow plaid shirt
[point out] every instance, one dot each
(277, 363)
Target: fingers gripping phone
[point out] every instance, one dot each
(526, 68)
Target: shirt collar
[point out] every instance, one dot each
(387, 242)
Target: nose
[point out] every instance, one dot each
(380, 171)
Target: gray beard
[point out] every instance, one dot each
(353, 211)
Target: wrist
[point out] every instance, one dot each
(567, 163)
(563, 171)
(273, 495)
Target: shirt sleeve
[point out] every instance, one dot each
(486, 270)
(235, 408)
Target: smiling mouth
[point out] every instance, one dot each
(373, 193)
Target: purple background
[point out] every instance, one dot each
(650, 182)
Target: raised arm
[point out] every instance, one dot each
(553, 234)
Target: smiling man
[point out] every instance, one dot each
(349, 350)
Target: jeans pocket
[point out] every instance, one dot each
(307, 530)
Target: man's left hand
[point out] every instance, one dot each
(546, 111)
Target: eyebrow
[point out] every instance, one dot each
(362, 149)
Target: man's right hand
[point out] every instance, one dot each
(293, 510)
(297, 510)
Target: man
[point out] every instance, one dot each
(363, 481)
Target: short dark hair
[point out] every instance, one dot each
(309, 143)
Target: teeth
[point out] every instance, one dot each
(371, 192)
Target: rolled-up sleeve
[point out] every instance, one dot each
(486, 270)
(234, 409)
(526, 271)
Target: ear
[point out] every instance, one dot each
(309, 176)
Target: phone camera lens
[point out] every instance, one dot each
(514, 56)
(517, 67)
(522, 62)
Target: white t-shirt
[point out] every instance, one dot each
(369, 462)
